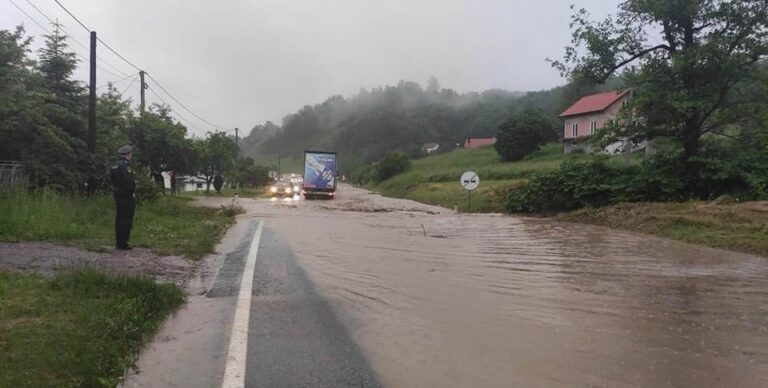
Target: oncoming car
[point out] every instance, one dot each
(282, 188)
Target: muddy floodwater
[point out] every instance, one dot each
(436, 299)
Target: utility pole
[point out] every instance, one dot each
(143, 86)
(91, 188)
(237, 158)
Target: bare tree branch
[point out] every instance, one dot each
(632, 58)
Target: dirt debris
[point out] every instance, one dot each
(46, 258)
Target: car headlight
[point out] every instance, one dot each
(274, 189)
(287, 189)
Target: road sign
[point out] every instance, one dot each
(470, 180)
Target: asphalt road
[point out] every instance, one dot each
(294, 338)
(366, 291)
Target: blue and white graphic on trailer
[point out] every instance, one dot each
(320, 170)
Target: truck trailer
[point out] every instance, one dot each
(319, 174)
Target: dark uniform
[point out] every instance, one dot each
(124, 189)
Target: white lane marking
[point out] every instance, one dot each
(234, 373)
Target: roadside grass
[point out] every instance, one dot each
(448, 167)
(168, 226)
(78, 329)
(739, 227)
(488, 198)
(435, 179)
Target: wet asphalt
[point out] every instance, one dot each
(295, 340)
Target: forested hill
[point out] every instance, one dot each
(366, 126)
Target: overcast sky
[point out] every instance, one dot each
(237, 63)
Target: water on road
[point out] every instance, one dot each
(439, 299)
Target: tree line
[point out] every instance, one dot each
(371, 124)
(43, 124)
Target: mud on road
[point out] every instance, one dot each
(435, 298)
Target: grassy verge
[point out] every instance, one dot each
(167, 225)
(740, 227)
(79, 328)
(489, 198)
(435, 180)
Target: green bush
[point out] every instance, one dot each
(362, 175)
(147, 190)
(663, 177)
(393, 164)
(523, 134)
(218, 183)
(231, 210)
(573, 186)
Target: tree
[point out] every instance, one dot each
(161, 143)
(248, 174)
(66, 100)
(433, 85)
(393, 164)
(218, 183)
(114, 117)
(20, 115)
(681, 58)
(57, 156)
(216, 156)
(524, 133)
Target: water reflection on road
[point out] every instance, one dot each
(438, 299)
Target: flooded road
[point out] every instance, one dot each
(438, 299)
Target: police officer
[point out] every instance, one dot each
(124, 193)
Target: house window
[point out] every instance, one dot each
(575, 130)
(592, 127)
(625, 103)
(199, 185)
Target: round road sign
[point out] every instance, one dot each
(470, 180)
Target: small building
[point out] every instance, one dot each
(191, 183)
(429, 148)
(477, 142)
(587, 115)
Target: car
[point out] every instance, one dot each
(282, 188)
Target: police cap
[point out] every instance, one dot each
(125, 150)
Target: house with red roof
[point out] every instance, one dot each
(588, 114)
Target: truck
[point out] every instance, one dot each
(319, 175)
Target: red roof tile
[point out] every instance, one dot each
(594, 103)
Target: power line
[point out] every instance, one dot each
(130, 84)
(191, 125)
(47, 31)
(139, 69)
(118, 55)
(184, 106)
(97, 38)
(30, 17)
(114, 82)
(73, 16)
(73, 38)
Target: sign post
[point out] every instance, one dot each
(470, 181)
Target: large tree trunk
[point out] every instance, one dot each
(690, 143)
